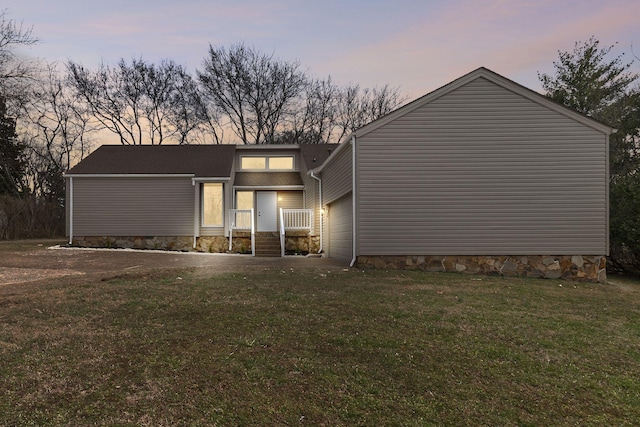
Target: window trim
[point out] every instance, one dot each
(267, 163)
(293, 162)
(235, 197)
(202, 205)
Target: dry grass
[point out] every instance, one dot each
(320, 348)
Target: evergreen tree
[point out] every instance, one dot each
(12, 154)
(591, 82)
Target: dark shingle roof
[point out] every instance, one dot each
(267, 179)
(314, 155)
(201, 160)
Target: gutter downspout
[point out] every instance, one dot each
(70, 210)
(321, 210)
(196, 212)
(353, 200)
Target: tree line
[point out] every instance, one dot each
(258, 98)
(51, 115)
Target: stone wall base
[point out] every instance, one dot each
(302, 244)
(168, 243)
(590, 268)
(213, 244)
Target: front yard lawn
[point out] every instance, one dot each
(342, 347)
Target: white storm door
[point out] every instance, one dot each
(267, 209)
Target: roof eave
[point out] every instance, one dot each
(495, 78)
(345, 142)
(129, 175)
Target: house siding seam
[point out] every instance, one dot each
(482, 170)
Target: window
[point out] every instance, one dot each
(212, 211)
(255, 163)
(278, 163)
(244, 200)
(281, 163)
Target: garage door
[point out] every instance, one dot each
(340, 224)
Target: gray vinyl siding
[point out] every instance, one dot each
(289, 200)
(312, 199)
(131, 206)
(340, 228)
(337, 176)
(482, 171)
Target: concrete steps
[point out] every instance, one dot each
(268, 244)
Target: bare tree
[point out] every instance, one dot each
(358, 107)
(15, 71)
(191, 116)
(56, 128)
(253, 91)
(327, 112)
(141, 102)
(381, 101)
(315, 121)
(15, 74)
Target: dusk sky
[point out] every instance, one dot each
(417, 46)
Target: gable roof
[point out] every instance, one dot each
(497, 79)
(212, 161)
(481, 72)
(314, 155)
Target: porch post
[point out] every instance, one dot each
(70, 210)
(196, 210)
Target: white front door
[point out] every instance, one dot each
(267, 208)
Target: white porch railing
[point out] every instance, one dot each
(294, 219)
(297, 219)
(243, 220)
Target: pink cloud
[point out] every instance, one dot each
(511, 38)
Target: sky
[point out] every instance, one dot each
(417, 46)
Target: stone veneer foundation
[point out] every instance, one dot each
(576, 267)
(212, 244)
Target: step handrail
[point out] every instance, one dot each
(237, 221)
(281, 232)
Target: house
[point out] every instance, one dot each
(211, 198)
(482, 175)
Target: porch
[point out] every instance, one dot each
(294, 226)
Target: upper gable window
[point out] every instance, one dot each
(253, 163)
(273, 163)
(281, 163)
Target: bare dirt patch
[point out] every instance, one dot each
(34, 261)
(21, 275)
